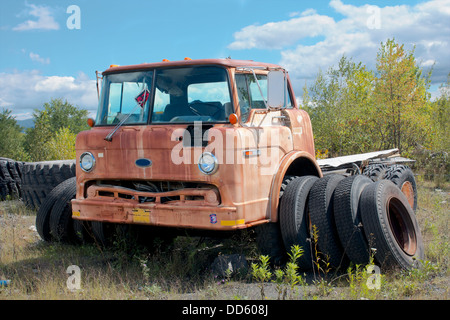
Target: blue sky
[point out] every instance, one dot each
(41, 58)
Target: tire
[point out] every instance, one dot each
(4, 180)
(10, 181)
(40, 178)
(106, 233)
(268, 236)
(3, 189)
(403, 177)
(322, 216)
(375, 171)
(294, 220)
(83, 231)
(390, 226)
(270, 242)
(61, 223)
(347, 216)
(44, 212)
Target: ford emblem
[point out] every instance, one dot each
(143, 163)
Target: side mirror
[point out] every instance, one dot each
(276, 89)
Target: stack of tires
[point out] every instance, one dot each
(350, 219)
(40, 178)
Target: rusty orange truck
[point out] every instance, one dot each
(219, 145)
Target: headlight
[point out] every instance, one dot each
(208, 163)
(87, 162)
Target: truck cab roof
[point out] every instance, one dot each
(230, 63)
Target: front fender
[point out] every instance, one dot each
(296, 163)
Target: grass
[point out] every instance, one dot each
(37, 269)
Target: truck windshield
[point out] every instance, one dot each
(125, 97)
(180, 95)
(188, 94)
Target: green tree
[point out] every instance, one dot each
(56, 115)
(402, 99)
(440, 119)
(354, 109)
(37, 136)
(61, 146)
(338, 103)
(11, 137)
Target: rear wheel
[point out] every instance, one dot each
(391, 226)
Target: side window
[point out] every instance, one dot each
(244, 100)
(255, 93)
(115, 98)
(250, 94)
(162, 99)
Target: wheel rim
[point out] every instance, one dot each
(402, 226)
(408, 191)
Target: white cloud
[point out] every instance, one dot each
(24, 91)
(358, 35)
(276, 35)
(45, 20)
(35, 57)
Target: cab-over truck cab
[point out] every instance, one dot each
(197, 144)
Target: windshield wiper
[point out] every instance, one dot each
(141, 100)
(110, 135)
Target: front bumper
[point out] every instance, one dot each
(194, 208)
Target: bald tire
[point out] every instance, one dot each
(347, 215)
(294, 217)
(322, 216)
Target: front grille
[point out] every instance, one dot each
(154, 192)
